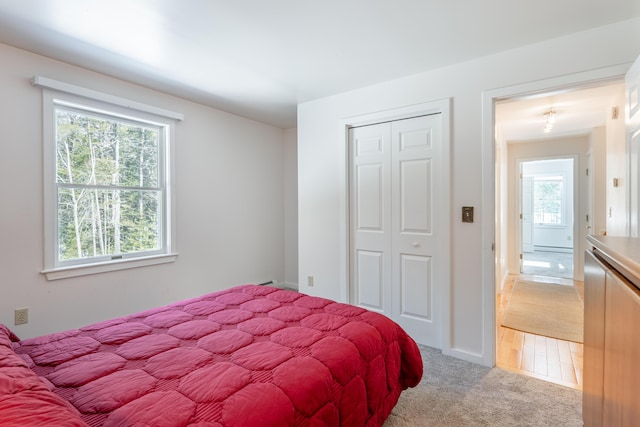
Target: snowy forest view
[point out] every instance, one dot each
(108, 185)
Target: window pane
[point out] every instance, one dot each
(94, 223)
(547, 201)
(93, 150)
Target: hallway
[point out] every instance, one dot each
(545, 358)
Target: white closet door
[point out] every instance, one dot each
(370, 211)
(395, 244)
(416, 157)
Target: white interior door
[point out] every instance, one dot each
(416, 156)
(370, 217)
(526, 213)
(394, 228)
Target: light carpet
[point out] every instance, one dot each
(457, 393)
(546, 309)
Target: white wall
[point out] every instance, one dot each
(230, 206)
(616, 218)
(322, 194)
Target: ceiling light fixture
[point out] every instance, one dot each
(550, 116)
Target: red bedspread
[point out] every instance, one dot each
(247, 356)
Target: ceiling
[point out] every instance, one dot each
(259, 58)
(577, 112)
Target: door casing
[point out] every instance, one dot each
(489, 98)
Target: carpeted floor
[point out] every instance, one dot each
(462, 394)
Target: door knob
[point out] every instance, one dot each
(415, 244)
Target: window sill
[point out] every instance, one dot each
(87, 269)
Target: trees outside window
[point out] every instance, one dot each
(547, 200)
(107, 187)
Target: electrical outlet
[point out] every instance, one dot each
(21, 316)
(309, 280)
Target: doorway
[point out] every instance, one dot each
(545, 214)
(580, 145)
(547, 217)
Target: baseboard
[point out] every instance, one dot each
(283, 285)
(480, 359)
(552, 249)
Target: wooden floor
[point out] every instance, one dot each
(549, 359)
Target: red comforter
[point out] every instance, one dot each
(247, 356)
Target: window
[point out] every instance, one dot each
(107, 186)
(548, 194)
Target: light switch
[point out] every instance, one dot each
(467, 214)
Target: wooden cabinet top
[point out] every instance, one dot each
(622, 253)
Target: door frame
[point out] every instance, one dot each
(440, 106)
(576, 210)
(489, 98)
(632, 134)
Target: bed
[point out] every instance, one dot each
(246, 356)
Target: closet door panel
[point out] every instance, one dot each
(416, 149)
(369, 280)
(370, 218)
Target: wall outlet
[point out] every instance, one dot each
(309, 280)
(21, 316)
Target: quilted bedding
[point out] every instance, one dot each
(247, 356)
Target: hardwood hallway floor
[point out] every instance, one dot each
(545, 358)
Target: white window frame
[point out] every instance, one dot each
(60, 93)
(563, 199)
